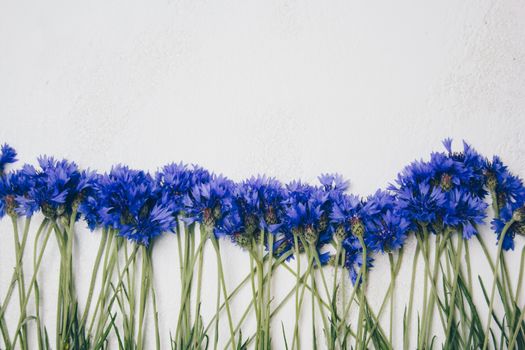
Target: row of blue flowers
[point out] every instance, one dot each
(449, 190)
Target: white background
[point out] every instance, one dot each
(285, 88)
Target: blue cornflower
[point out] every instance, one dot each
(131, 204)
(351, 216)
(353, 257)
(464, 210)
(347, 215)
(509, 194)
(458, 169)
(388, 234)
(305, 216)
(7, 156)
(257, 205)
(261, 199)
(57, 188)
(475, 165)
(426, 190)
(508, 188)
(305, 213)
(446, 172)
(176, 180)
(333, 182)
(13, 185)
(380, 202)
(91, 205)
(421, 204)
(208, 203)
(386, 230)
(239, 229)
(517, 227)
(412, 176)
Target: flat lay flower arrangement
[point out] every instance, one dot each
(440, 203)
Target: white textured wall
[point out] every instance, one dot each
(287, 88)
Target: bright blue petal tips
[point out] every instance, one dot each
(334, 182)
(7, 156)
(448, 144)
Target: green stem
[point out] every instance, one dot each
(154, 299)
(452, 303)
(200, 255)
(223, 284)
(391, 291)
(407, 325)
(361, 285)
(296, 340)
(94, 273)
(105, 272)
(520, 278)
(269, 290)
(254, 270)
(21, 320)
(313, 251)
(388, 293)
(276, 264)
(260, 290)
(351, 299)
(493, 289)
(20, 269)
(40, 337)
(517, 330)
(278, 308)
(334, 315)
(144, 289)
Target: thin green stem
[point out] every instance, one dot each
(388, 293)
(391, 291)
(518, 329)
(493, 289)
(296, 339)
(21, 320)
(144, 290)
(223, 285)
(452, 303)
(520, 276)
(407, 325)
(361, 285)
(94, 273)
(20, 269)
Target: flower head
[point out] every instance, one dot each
(348, 212)
(305, 218)
(257, 207)
(131, 204)
(446, 191)
(386, 229)
(333, 182)
(353, 258)
(7, 156)
(261, 198)
(464, 210)
(175, 181)
(509, 193)
(57, 188)
(208, 203)
(13, 185)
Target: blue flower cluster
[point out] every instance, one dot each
(447, 192)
